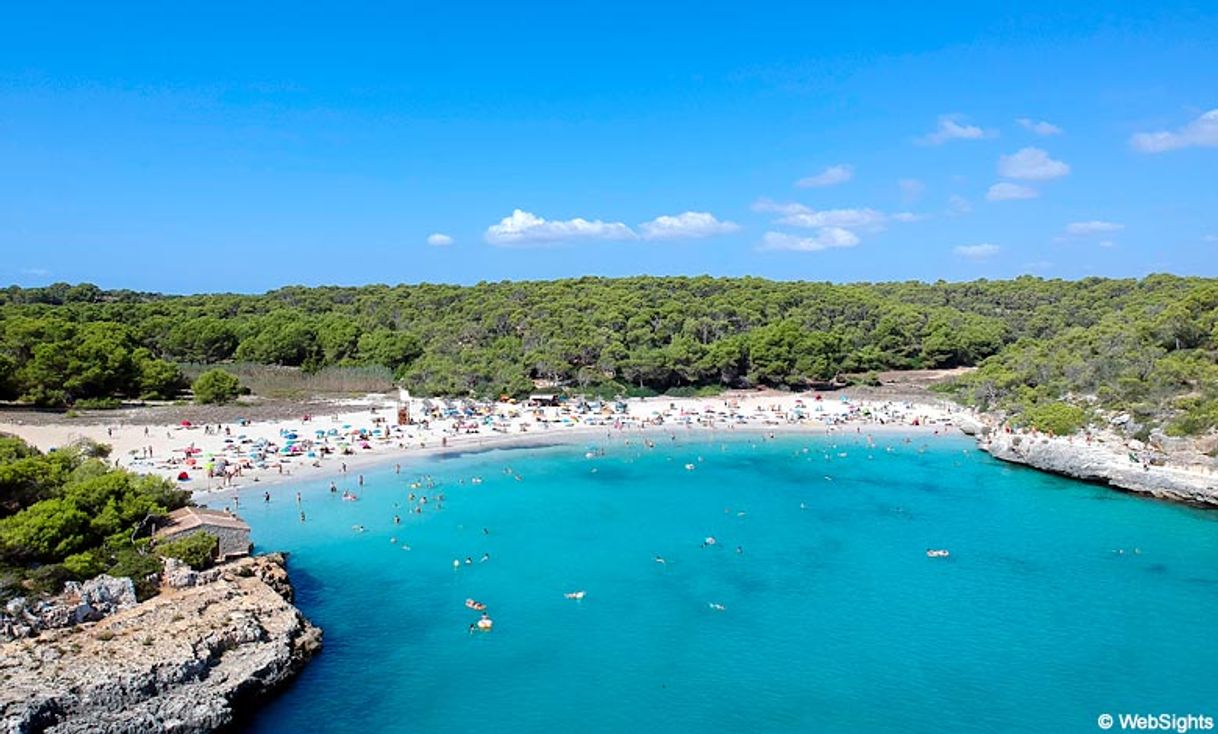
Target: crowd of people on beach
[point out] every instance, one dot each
(228, 456)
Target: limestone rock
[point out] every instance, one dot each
(183, 661)
(1181, 474)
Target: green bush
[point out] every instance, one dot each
(85, 565)
(196, 550)
(216, 387)
(48, 579)
(143, 569)
(1059, 419)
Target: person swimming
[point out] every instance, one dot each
(660, 559)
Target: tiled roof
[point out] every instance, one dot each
(187, 518)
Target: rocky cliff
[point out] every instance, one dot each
(183, 661)
(1174, 472)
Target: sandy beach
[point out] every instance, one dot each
(240, 454)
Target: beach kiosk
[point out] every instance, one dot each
(403, 406)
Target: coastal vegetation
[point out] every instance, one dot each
(67, 514)
(216, 387)
(1054, 354)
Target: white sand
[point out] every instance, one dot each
(255, 447)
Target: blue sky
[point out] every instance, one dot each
(255, 145)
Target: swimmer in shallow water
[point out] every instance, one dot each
(660, 559)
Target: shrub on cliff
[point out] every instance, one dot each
(197, 550)
(216, 387)
(144, 570)
(1059, 419)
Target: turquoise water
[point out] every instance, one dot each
(833, 617)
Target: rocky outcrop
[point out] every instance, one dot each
(90, 601)
(183, 661)
(1179, 473)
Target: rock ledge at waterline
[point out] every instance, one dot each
(184, 661)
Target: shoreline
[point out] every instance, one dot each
(569, 437)
(1174, 475)
(240, 454)
(1108, 460)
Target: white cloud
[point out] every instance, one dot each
(36, 272)
(770, 206)
(798, 215)
(1094, 226)
(1201, 132)
(1032, 164)
(951, 128)
(958, 205)
(439, 239)
(526, 228)
(1107, 243)
(688, 225)
(849, 218)
(909, 217)
(1006, 191)
(824, 239)
(977, 252)
(1210, 238)
(831, 176)
(911, 189)
(1040, 127)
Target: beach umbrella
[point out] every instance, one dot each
(186, 424)
(183, 477)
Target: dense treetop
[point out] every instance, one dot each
(67, 514)
(1141, 345)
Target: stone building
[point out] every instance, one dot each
(233, 532)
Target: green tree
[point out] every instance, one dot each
(197, 550)
(392, 349)
(216, 387)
